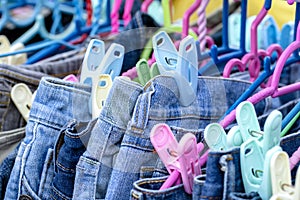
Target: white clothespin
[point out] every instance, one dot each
(23, 98)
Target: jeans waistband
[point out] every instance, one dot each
(57, 99)
(149, 189)
(21, 75)
(214, 95)
(58, 69)
(121, 101)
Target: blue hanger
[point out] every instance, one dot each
(40, 28)
(230, 53)
(97, 11)
(290, 115)
(6, 17)
(267, 72)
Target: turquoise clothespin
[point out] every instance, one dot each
(256, 154)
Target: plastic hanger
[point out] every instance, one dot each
(115, 14)
(266, 73)
(295, 158)
(40, 28)
(281, 178)
(273, 89)
(292, 116)
(99, 24)
(145, 5)
(202, 30)
(253, 57)
(6, 17)
(225, 51)
(180, 65)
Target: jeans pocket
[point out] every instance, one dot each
(42, 191)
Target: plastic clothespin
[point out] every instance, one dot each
(180, 157)
(23, 98)
(100, 93)
(270, 31)
(255, 156)
(4, 48)
(17, 59)
(143, 71)
(215, 137)
(187, 64)
(247, 120)
(71, 78)
(286, 36)
(167, 60)
(95, 63)
(234, 27)
(281, 176)
(154, 71)
(234, 137)
(91, 61)
(270, 145)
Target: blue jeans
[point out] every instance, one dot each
(5, 170)
(95, 165)
(149, 189)
(56, 103)
(160, 104)
(70, 145)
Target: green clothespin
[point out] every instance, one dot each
(143, 71)
(154, 71)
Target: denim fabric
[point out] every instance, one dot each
(70, 145)
(56, 103)
(5, 170)
(58, 68)
(223, 175)
(290, 144)
(9, 140)
(10, 118)
(148, 189)
(95, 165)
(241, 196)
(160, 104)
(134, 37)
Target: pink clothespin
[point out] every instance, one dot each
(71, 78)
(179, 158)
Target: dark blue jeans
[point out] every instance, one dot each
(70, 145)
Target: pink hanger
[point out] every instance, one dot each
(187, 16)
(294, 159)
(273, 89)
(115, 14)
(202, 30)
(127, 10)
(145, 5)
(252, 58)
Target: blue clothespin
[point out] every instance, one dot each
(180, 65)
(286, 35)
(99, 70)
